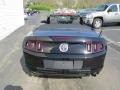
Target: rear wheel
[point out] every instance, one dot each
(118, 23)
(81, 21)
(48, 20)
(97, 23)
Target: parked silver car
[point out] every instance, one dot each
(105, 13)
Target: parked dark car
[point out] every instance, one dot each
(29, 13)
(63, 16)
(64, 51)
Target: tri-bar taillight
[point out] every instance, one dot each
(34, 45)
(90, 47)
(94, 47)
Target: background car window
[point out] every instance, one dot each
(113, 8)
(101, 8)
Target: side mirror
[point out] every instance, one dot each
(110, 10)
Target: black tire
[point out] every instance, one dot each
(118, 23)
(81, 21)
(48, 20)
(97, 23)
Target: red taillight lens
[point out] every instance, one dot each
(93, 47)
(33, 45)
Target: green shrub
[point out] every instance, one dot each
(39, 7)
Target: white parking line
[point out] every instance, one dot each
(118, 42)
(111, 29)
(111, 41)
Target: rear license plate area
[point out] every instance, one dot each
(59, 64)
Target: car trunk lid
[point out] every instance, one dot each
(64, 41)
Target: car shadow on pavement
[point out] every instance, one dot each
(11, 87)
(41, 75)
(44, 21)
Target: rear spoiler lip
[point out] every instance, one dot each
(61, 37)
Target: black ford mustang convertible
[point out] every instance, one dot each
(64, 51)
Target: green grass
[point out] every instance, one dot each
(38, 6)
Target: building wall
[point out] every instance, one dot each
(11, 16)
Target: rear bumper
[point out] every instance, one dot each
(90, 64)
(67, 73)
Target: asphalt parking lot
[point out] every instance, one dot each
(14, 75)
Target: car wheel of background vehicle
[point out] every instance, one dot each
(81, 21)
(97, 23)
(118, 23)
(48, 20)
